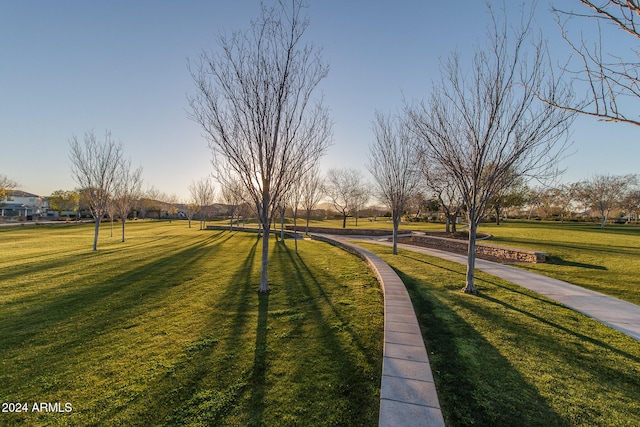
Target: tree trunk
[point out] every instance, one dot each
(264, 277)
(231, 223)
(282, 225)
(497, 216)
(308, 216)
(265, 221)
(396, 221)
(95, 235)
(344, 221)
(450, 221)
(603, 221)
(123, 221)
(295, 229)
(470, 287)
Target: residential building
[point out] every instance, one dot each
(22, 205)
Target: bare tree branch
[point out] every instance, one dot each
(127, 191)
(344, 187)
(203, 195)
(605, 79)
(254, 103)
(392, 165)
(311, 192)
(94, 165)
(480, 127)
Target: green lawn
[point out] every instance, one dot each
(606, 261)
(379, 222)
(510, 357)
(168, 329)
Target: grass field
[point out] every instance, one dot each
(168, 329)
(510, 357)
(605, 261)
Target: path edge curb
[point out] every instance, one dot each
(408, 395)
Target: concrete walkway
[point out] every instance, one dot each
(620, 315)
(408, 394)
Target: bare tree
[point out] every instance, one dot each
(295, 198)
(342, 187)
(392, 164)
(510, 196)
(562, 198)
(482, 125)
(311, 192)
(254, 103)
(128, 191)
(603, 193)
(631, 203)
(203, 194)
(111, 213)
(449, 198)
(191, 209)
(361, 197)
(534, 200)
(605, 77)
(94, 164)
(233, 194)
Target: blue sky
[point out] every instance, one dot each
(71, 66)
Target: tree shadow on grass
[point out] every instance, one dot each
(185, 395)
(574, 354)
(199, 401)
(83, 315)
(95, 287)
(259, 370)
(557, 260)
(541, 320)
(35, 266)
(302, 268)
(352, 381)
(599, 249)
(521, 291)
(464, 365)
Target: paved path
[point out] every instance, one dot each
(408, 394)
(620, 315)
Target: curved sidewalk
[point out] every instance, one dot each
(408, 394)
(620, 315)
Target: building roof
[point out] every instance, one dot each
(20, 193)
